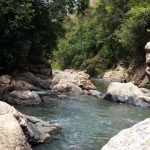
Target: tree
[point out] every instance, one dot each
(39, 22)
(109, 31)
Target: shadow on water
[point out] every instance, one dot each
(88, 123)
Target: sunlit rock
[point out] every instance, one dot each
(135, 138)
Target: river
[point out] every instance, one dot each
(88, 123)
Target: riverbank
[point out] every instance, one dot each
(69, 88)
(26, 89)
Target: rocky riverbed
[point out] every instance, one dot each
(26, 89)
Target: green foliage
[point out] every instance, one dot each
(81, 41)
(108, 32)
(133, 33)
(39, 22)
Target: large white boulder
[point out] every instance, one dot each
(122, 92)
(135, 138)
(11, 134)
(127, 93)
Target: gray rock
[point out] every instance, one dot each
(34, 129)
(66, 88)
(22, 85)
(33, 80)
(134, 138)
(144, 90)
(95, 93)
(39, 131)
(142, 100)
(11, 134)
(27, 98)
(71, 82)
(48, 98)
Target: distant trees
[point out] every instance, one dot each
(113, 30)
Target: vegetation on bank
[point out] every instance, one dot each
(94, 39)
(108, 32)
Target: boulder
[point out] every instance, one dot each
(127, 93)
(85, 83)
(22, 85)
(59, 75)
(27, 98)
(135, 138)
(66, 87)
(70, 82)
(122, 92)
(144, 90)
(142, 100)
(81, 73)
(11, 134)
(39, 131)
(95, 93)
(34, 129)
(5, 79)
(35, 81)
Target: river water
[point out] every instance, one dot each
(87, 122)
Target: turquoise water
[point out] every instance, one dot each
(88, 123)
